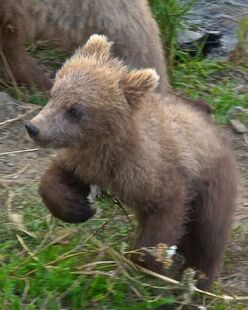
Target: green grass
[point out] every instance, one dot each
(169, 15)
(47, 264)
(215, 81)
(47, 54)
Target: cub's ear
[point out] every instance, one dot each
(138, 83)
(97, 46)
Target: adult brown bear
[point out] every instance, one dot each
(128, 23)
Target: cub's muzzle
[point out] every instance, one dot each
(32, 130)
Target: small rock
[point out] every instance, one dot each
(238, 248)
(10, 164)
(239, 113)
(8, 107)
(238, 126)
(5, 98)
(202, 39)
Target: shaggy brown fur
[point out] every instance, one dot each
(200, 105)
(65, 195)
(164, 159)
(128, 23)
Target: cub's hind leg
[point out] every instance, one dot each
(211, 222)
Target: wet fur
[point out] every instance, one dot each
(163, 158)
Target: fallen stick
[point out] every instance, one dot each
(19, 151)
(19, 93)
(19, 117)
(16, 174)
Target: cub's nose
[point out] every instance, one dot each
(32, 130)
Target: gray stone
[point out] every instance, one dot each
(5, 98)
(238, 126)
(239, 113)
(8, 107)
(218, 15)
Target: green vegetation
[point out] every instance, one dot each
(217, 82)
(240, 54)
(169, 15)
(214, 80)
(46, 264)
(243, 32)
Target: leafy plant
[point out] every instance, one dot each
(169, 15)
(240, 54)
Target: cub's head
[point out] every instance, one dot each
(93, 98)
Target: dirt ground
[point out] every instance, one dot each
(22, 163)
(24, 167)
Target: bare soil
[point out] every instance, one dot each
(23, 167)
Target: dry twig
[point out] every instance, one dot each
(19, 151)
(19, 94)
(167, 279)
(16, 174)
(19, 117)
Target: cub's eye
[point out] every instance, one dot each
(74, 113)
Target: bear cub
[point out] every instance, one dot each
(164, 159)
